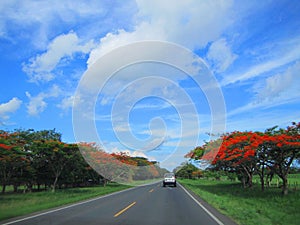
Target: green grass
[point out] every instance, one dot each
(249, 206)
(293, 180)
(12, 205)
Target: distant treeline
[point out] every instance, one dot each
(40, 160)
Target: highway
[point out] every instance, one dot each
(150, 204)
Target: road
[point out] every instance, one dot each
(150, 204)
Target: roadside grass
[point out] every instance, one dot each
(293, 180)
(248, 206)
(18, 204)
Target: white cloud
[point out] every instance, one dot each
(286, 54)
(113, 40)
(9, 107)
(220, 56)
(37, 104)
(133, 153)
(69, 102)
(285, 85)
(66, 103)
(276, 90)
(42, 18)
(141, 154)
(190, 23)
(40, 68)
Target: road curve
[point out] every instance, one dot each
(150, 204)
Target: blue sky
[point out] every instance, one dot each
(252, 49)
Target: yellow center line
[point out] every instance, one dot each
(151, 190)
(123, 210)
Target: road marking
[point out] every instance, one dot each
(75, 204)
(123, 210)
(202, 206)
(151, 190)
(69, 206)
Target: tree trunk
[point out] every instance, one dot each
(262, 182)
(5, 180)
(250, 183)
(16, 188)
(244, 182)
(249, 175)
(54, 184)
(3, 188)
(285, 186)
(104, 182)
(262, 176)
(29, 187)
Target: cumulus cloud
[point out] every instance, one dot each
(40, 68)
(220, 55)
(37, 104)
(190, 23)
(9, 107)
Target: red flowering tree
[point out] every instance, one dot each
(249, 152)
(231, 152)
(118, 167)
(107, 165)
(238, 152)
(13, 161)
(283, 147)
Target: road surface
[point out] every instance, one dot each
(150, 204)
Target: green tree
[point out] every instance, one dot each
(186, 171)
(54, 155)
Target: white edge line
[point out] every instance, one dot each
(202, 206)
(69, 206)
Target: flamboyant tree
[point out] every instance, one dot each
(13, 161)
(283, 148)
(247, 152)
(105, 164)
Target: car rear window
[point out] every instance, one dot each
(169, 175)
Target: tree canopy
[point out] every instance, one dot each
(246, 153)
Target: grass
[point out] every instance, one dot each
(12, 205)
(293, 180)
(249, 206)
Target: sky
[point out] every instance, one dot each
(249, 52)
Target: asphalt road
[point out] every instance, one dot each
(151, 204)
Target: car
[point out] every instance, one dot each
(169, 179)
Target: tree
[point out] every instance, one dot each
(54, 155)
(233, 152)
(283, 148)
(244, 153)
(13, 161)
(186, 171)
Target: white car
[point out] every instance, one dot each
(169, 179)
